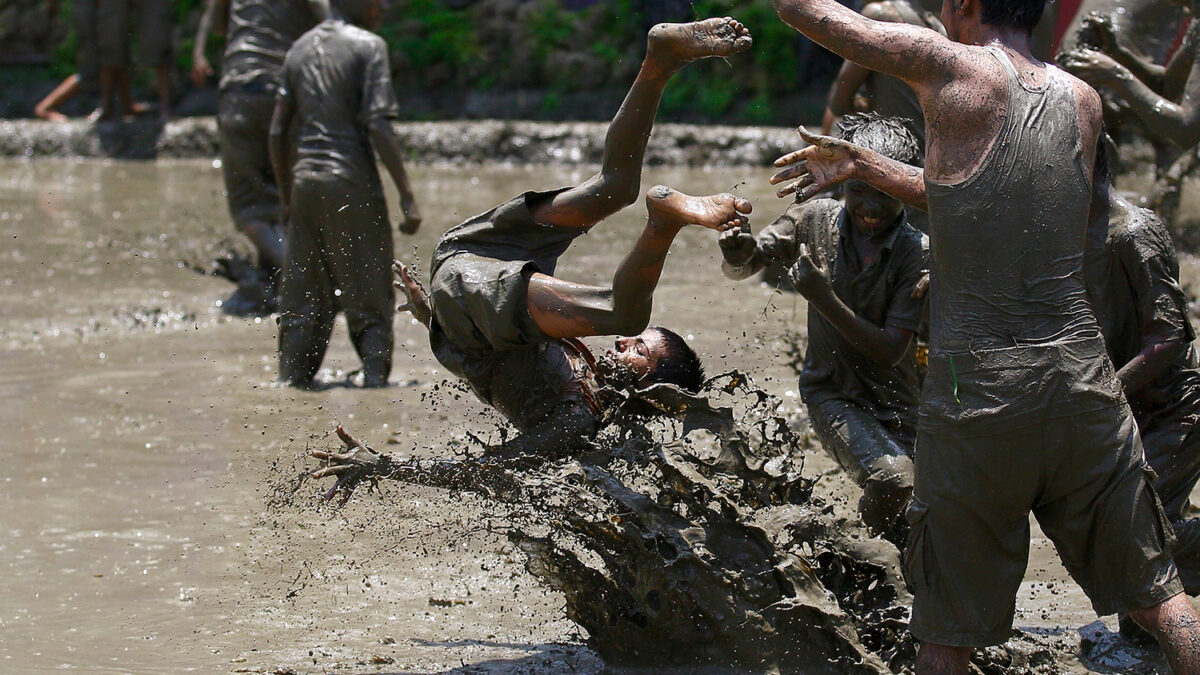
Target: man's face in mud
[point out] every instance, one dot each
(632, 359)
(870, 211)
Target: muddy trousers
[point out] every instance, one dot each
(1173, 450)
(876, 454)
(339, 254)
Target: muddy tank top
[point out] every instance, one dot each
(1008, 242)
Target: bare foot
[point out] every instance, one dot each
(716, 212)
(672, 45)
(418, 299)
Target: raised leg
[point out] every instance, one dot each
(566, 309)
(669, 47)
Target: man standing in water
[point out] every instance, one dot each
(498, 318)
(857, 264)
(259, 34)
(337, 85)
(1021, 410)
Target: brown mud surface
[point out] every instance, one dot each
(146, 438)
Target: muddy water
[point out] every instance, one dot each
(145, 434)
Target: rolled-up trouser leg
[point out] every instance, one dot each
(306, 302)
(1173, 450)
(876, 457)
(360, 265)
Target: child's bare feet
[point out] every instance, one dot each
(418, 299)
(716, 212)
(672, 45)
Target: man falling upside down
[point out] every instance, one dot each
(500, 319)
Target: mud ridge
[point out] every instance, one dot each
(455, 142)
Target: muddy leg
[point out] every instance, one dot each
(1176, 626)
(935, 659)
(669, 48)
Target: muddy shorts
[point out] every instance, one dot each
(1063, 447)
(480, 303)
(877, 454)
(244, 122)
(1172, 449)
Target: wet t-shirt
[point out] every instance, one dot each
(1133, 280)
(258, 38)
(880, 293)
(338, 79)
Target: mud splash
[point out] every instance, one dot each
(692, 539)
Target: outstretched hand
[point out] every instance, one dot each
(358, 463)
(1092, 66)
(1100, 26)
(826, 162)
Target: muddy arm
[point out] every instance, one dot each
(201, 68)
(280, 122)
(390, 153)
(841, 94)
(885, 345)
(914, 54)
(745, 255)
(830, 161)
(1160, 346)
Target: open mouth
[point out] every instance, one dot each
(871, 221)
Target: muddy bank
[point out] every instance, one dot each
(465, 142)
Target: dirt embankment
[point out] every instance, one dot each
(462, 141)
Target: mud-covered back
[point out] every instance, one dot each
(259, 35)
(1008, 242)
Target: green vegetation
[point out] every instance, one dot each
(558, 54)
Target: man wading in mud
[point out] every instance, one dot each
(336, 84)
(500, 320)
(258, 36)
(1021, 410)
(858, 265)
(1132, 278)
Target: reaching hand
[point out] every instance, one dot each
(738, 245)
(351, 467)
(201, 69)
(810, 277)
(826, 162)
(1095, 68)
(1101, 27)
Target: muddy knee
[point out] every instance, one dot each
(886, 492)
